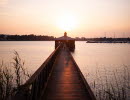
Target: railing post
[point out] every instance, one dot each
(32, 89)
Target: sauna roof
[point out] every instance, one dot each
(64, 38)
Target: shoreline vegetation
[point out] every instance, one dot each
(111, 86)
(12, 76)
(33, 37)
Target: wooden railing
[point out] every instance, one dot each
(35, 85)
(91, 94)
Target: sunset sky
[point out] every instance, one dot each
(82, 18)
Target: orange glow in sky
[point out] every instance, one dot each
(67, 22)
(83, 18)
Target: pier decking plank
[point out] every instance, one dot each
(65, 82)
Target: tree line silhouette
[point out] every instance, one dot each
(33, 37)
(30, 37)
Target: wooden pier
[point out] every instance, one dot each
(58, 78)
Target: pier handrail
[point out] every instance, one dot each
(42, 67)
(82, 77)
(34, 86)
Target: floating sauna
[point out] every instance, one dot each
(70, 42)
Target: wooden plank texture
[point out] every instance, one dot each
(65, 82)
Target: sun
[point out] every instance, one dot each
(67, 22)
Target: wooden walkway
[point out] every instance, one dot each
(58, 78)
(65, 81)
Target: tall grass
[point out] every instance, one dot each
(12, 75)
(112, 87)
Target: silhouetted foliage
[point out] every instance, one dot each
(12, 76)
(30, 37)
(33, 37)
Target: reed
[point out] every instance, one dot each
(12, 75)
(115, 88)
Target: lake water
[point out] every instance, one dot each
(97, 61)
(32, 53)
(103, 57)
(105, 66)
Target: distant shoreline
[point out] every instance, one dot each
(108, 42)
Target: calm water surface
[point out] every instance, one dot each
(33, 53)
(101, 56)
(96, 60)
(105, 65)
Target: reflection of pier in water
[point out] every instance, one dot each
(58, 78)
